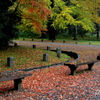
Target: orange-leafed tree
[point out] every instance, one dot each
(37, 12)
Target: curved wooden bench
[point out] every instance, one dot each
(74, 65)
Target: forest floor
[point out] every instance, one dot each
(54, 83)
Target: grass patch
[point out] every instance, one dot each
(25, 57)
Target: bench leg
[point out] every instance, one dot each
(90, 66)
(72, 68)
(17, 84)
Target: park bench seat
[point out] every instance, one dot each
(17, 77)
(74, 65)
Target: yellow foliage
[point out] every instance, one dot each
(81, 12)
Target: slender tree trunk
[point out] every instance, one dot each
(97, 30)
(75, 34)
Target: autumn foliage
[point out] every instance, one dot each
(61, 13)
(36, 12)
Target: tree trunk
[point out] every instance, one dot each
(51, 30)
(75, 34)
(97, 30)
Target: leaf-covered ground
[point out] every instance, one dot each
(55, 84)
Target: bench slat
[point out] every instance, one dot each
(86, 63)
(15, 77)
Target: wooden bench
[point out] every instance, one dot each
(74, 65)
(16, 76)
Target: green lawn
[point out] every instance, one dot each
(25, 57)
